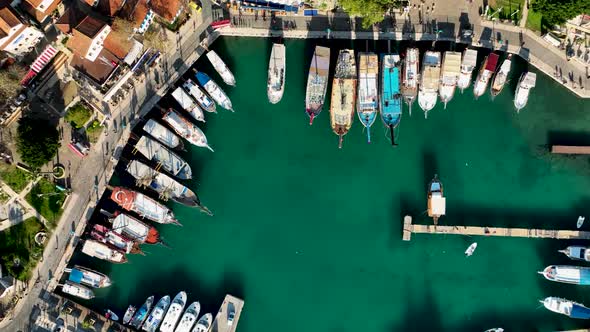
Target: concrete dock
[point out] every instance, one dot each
(410, 228)
(220, 324)
(570, 149)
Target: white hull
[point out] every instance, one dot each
(200, 96)
(430, 81)
(204, 323)
(77, 290)
(171, 162)
(468, 63)
(189, 318)
(155, 317)
(521, 96)
(101, 251)
(276, 73)
(221, 68)
(174, 312)
(161, 133)
(464, 80)
(186, 129)
(188, 104)
(427, 101)
(471, 249)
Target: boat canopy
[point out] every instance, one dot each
(579, 311)
(438, 204)
(321, 61)
(76, 276)
(451, 67)
(492, 62)
(470, 58)
(529, 80)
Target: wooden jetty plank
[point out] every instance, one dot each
(570, 149)
(220, 323)
(491, 231)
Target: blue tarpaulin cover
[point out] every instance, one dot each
(580, 312)
(76, 276)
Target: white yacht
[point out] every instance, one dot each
(189, 318)
(276, 73)
(526, 83)
(430, 79)
(468, 64)
(174, 312)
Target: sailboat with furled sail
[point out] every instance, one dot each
(451, 69)
(368, 93)
(276, 73)
(391, 98)
(221, 68)
(410, 77)
(343, 94)
(317, 82)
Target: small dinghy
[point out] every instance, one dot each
(111, 315)
(129, 314)
(497, 329)
(471, 249)
(580, 221)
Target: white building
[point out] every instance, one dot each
(16, 37)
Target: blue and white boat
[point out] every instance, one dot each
(391, 97)
(566, 307)
(568, 274)
(142, 313)
(214, 90)
(368, 91)
(88, 277)
(156, 316)
(200, 96)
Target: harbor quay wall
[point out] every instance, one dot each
(487, 34)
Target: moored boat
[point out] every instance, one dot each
(317, 82)
(566, 307)
(368, 91)
(88, 277)
(162, 184)
(468, 63)
(135, 230)
(214, 90)
(485, 74)
(186, 129)
(204, 323)
(471, 249)
(129, 314)
(113, 239)
(501, 77)
(276, 73)
(155, 317)
(436, 200)
(173, 315)
(188, 104)
(166, 159)
(568, 274)
(343, 94)
(429, 81)
(525, 84)
(221, 68)
(102, 251)
(143, 205)
(206, 103)
(497, 329)
(77, 290)
(451, 69)
(109, 314)
(577, 253)
(162, 134)
(391, 98)
(189, 318)
(142, 313)
(410, 77)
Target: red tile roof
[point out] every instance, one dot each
(107, 7)
(167, 9)
(118, 44)
(98, 70)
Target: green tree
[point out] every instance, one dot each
(10, 78)
(36, 142)
(372, 11)
(558, 11)
(78, 115)
(155, 38)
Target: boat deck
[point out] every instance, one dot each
(220, 321)
(410, 228)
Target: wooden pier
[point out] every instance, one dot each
(221, 324)
(410, 228)
(570, 149)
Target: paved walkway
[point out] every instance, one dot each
(18, 202)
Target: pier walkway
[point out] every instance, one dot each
(221, 323)
(570, 149)
(488, 34)
(410, 228)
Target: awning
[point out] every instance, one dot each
(133, 53)
(43, 59)
(76, 275)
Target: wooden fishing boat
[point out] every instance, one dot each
(343, 94)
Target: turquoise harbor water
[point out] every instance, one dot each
(310, 235)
